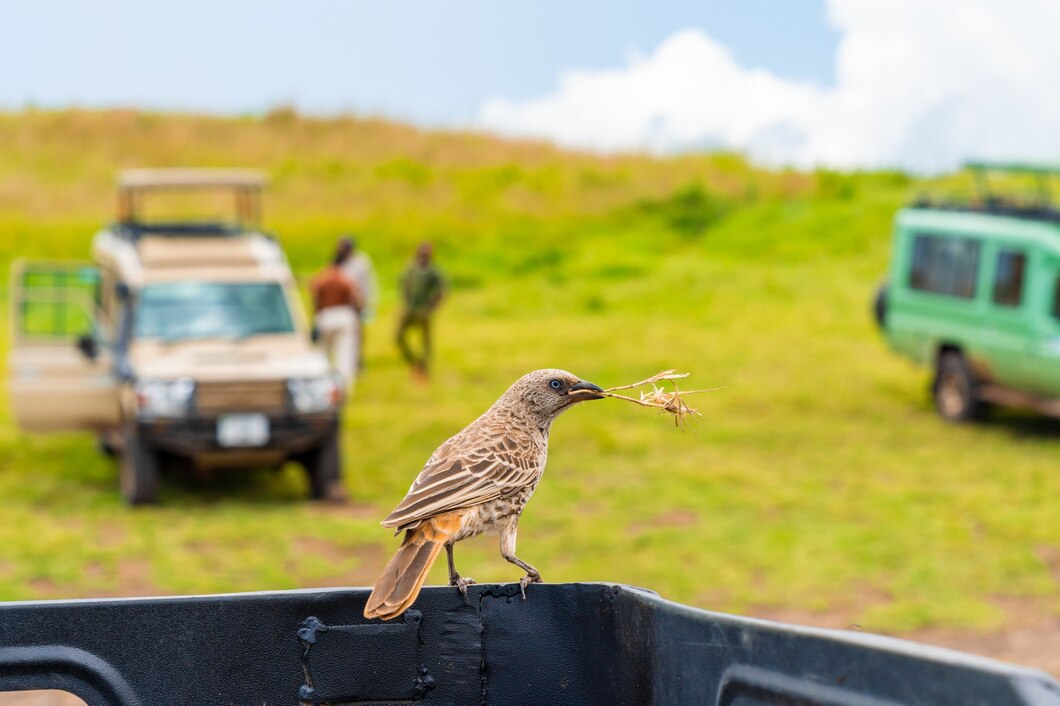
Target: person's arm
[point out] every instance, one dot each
(439, 289)
(371, 287)
(356, 296)
(406, 281)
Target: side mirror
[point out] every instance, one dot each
(86, 343)
(314, 335)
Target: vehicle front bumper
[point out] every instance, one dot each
(288, 435)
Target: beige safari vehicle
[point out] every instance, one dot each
(184, 341)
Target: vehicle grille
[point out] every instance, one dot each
(268, 396)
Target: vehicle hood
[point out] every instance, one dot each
(256, 358)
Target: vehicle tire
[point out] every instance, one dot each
(323, 465)
(139, 469)
(956, 396)
(879, 306)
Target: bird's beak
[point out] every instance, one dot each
(585, 391)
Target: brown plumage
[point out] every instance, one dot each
(477, 481)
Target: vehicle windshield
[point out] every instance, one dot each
(175, 311)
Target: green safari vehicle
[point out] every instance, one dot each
(974, 292)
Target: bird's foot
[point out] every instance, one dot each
(526, 581)
(461, 585)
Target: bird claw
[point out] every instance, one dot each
(461, 585)
(526, 581)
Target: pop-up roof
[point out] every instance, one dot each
(244, 184)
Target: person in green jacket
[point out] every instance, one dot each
(423, 287)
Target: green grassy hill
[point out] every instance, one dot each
(818, 480)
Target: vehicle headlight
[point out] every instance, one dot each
(165, 398)
(314, 394)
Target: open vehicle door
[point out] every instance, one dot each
(61, 375)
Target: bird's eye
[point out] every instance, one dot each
(555, 384)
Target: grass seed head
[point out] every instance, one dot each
(666, 401)
(669, 402)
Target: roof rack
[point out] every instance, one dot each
(246, 184)
(1039, 207)
(1041, 171)
(1042, 168)
(181, 179)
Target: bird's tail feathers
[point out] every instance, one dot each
(399, 584)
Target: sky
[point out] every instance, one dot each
(915, 84)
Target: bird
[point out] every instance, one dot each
(478, 481)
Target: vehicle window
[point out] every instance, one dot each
(1008, 278)
(57, 302)
(945, 265)
(176, 311)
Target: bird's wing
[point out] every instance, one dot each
(464, 472)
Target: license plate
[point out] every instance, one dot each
(242, 430)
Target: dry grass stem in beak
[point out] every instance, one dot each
(666, 401)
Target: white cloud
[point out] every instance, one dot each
(920, 85)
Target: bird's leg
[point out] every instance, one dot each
(454, 577)
(508, 552)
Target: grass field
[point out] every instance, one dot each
(817, 483)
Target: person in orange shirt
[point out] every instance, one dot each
(336, 301)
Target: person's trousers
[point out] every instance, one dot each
(338, 336)
(415, 320)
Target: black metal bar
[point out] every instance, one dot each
(566, 643)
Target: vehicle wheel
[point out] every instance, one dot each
(323, 465)
(955, 389)
(139, 469)
(879, 306)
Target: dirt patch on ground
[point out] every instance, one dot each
(131, 578)
(110, 536)
(325, 548)
(1050, 556)
(671, 518)
(370, 561)
(45, 589)
(1031, 636)
(1036, 646)
(134, 579)
(351, 510)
